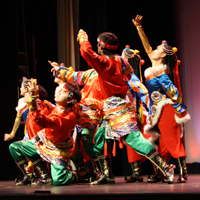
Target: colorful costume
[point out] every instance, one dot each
(44, 107)
(118, 113)
(91, 103)
(166, 106)
(53, 144)
(167, 110)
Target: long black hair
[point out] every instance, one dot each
(170, 60)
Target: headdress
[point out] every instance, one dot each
(168, 51)
(106, 46)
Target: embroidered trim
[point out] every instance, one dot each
(156, 74)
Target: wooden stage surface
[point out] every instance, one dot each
(120, 190)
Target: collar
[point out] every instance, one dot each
(152, 70)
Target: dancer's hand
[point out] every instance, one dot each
(137, 20)
(82, 36)
(34, 89)
(8, 137)
(55, 66)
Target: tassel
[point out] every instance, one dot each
(121, 143)
(114, 149)
(141, 116)
(105, 149)
(176, 77)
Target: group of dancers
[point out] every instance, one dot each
(113, 105)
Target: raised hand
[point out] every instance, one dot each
(137, 20)
(82, 36)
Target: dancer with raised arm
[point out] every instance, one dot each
(118, 113)
(166, 106)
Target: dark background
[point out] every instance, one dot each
(41, 32)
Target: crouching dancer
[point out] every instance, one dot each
(54, 143)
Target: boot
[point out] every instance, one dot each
(158, 177)
(83, 173)
(23, 165)
(107, 176)
(42, 171)
(183, 170)
(166, 169)
(137, 173)
(98, 164)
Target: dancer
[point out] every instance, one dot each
(119, 114)
(91, 103)
(54, 143)
(79, 156)
(166, 107)
(22, 110)
(138, 95)
(32, 128)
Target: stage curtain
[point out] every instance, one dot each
(188, 43)
(67, 30)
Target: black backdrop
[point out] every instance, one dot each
(95, 17)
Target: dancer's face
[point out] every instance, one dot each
(159, 53)
(62, 96)
(99, 49)
(23, 90)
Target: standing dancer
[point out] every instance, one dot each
(138, 94)
(93, 95)
(166, 107)
(119, 114)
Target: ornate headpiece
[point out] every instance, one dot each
(24, 79)
(106, 46)
(130, 53)
(168, 51)
(26, 82)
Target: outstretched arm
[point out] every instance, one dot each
(143, 37)
(10, 136)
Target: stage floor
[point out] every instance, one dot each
(120, 190)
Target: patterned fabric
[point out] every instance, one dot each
(160, 81)
(138, 89)
(89, 115)
(56, 153)
(120, 115)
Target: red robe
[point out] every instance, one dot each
(45, 108)
(58, 125)
(110, 79)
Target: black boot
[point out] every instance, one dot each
(42, 171)
(158, 177)
(84, 174)
(166, 169)
(137, 172)
(27, 179)
(98, 164)
(107, 176)
(183, 171)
